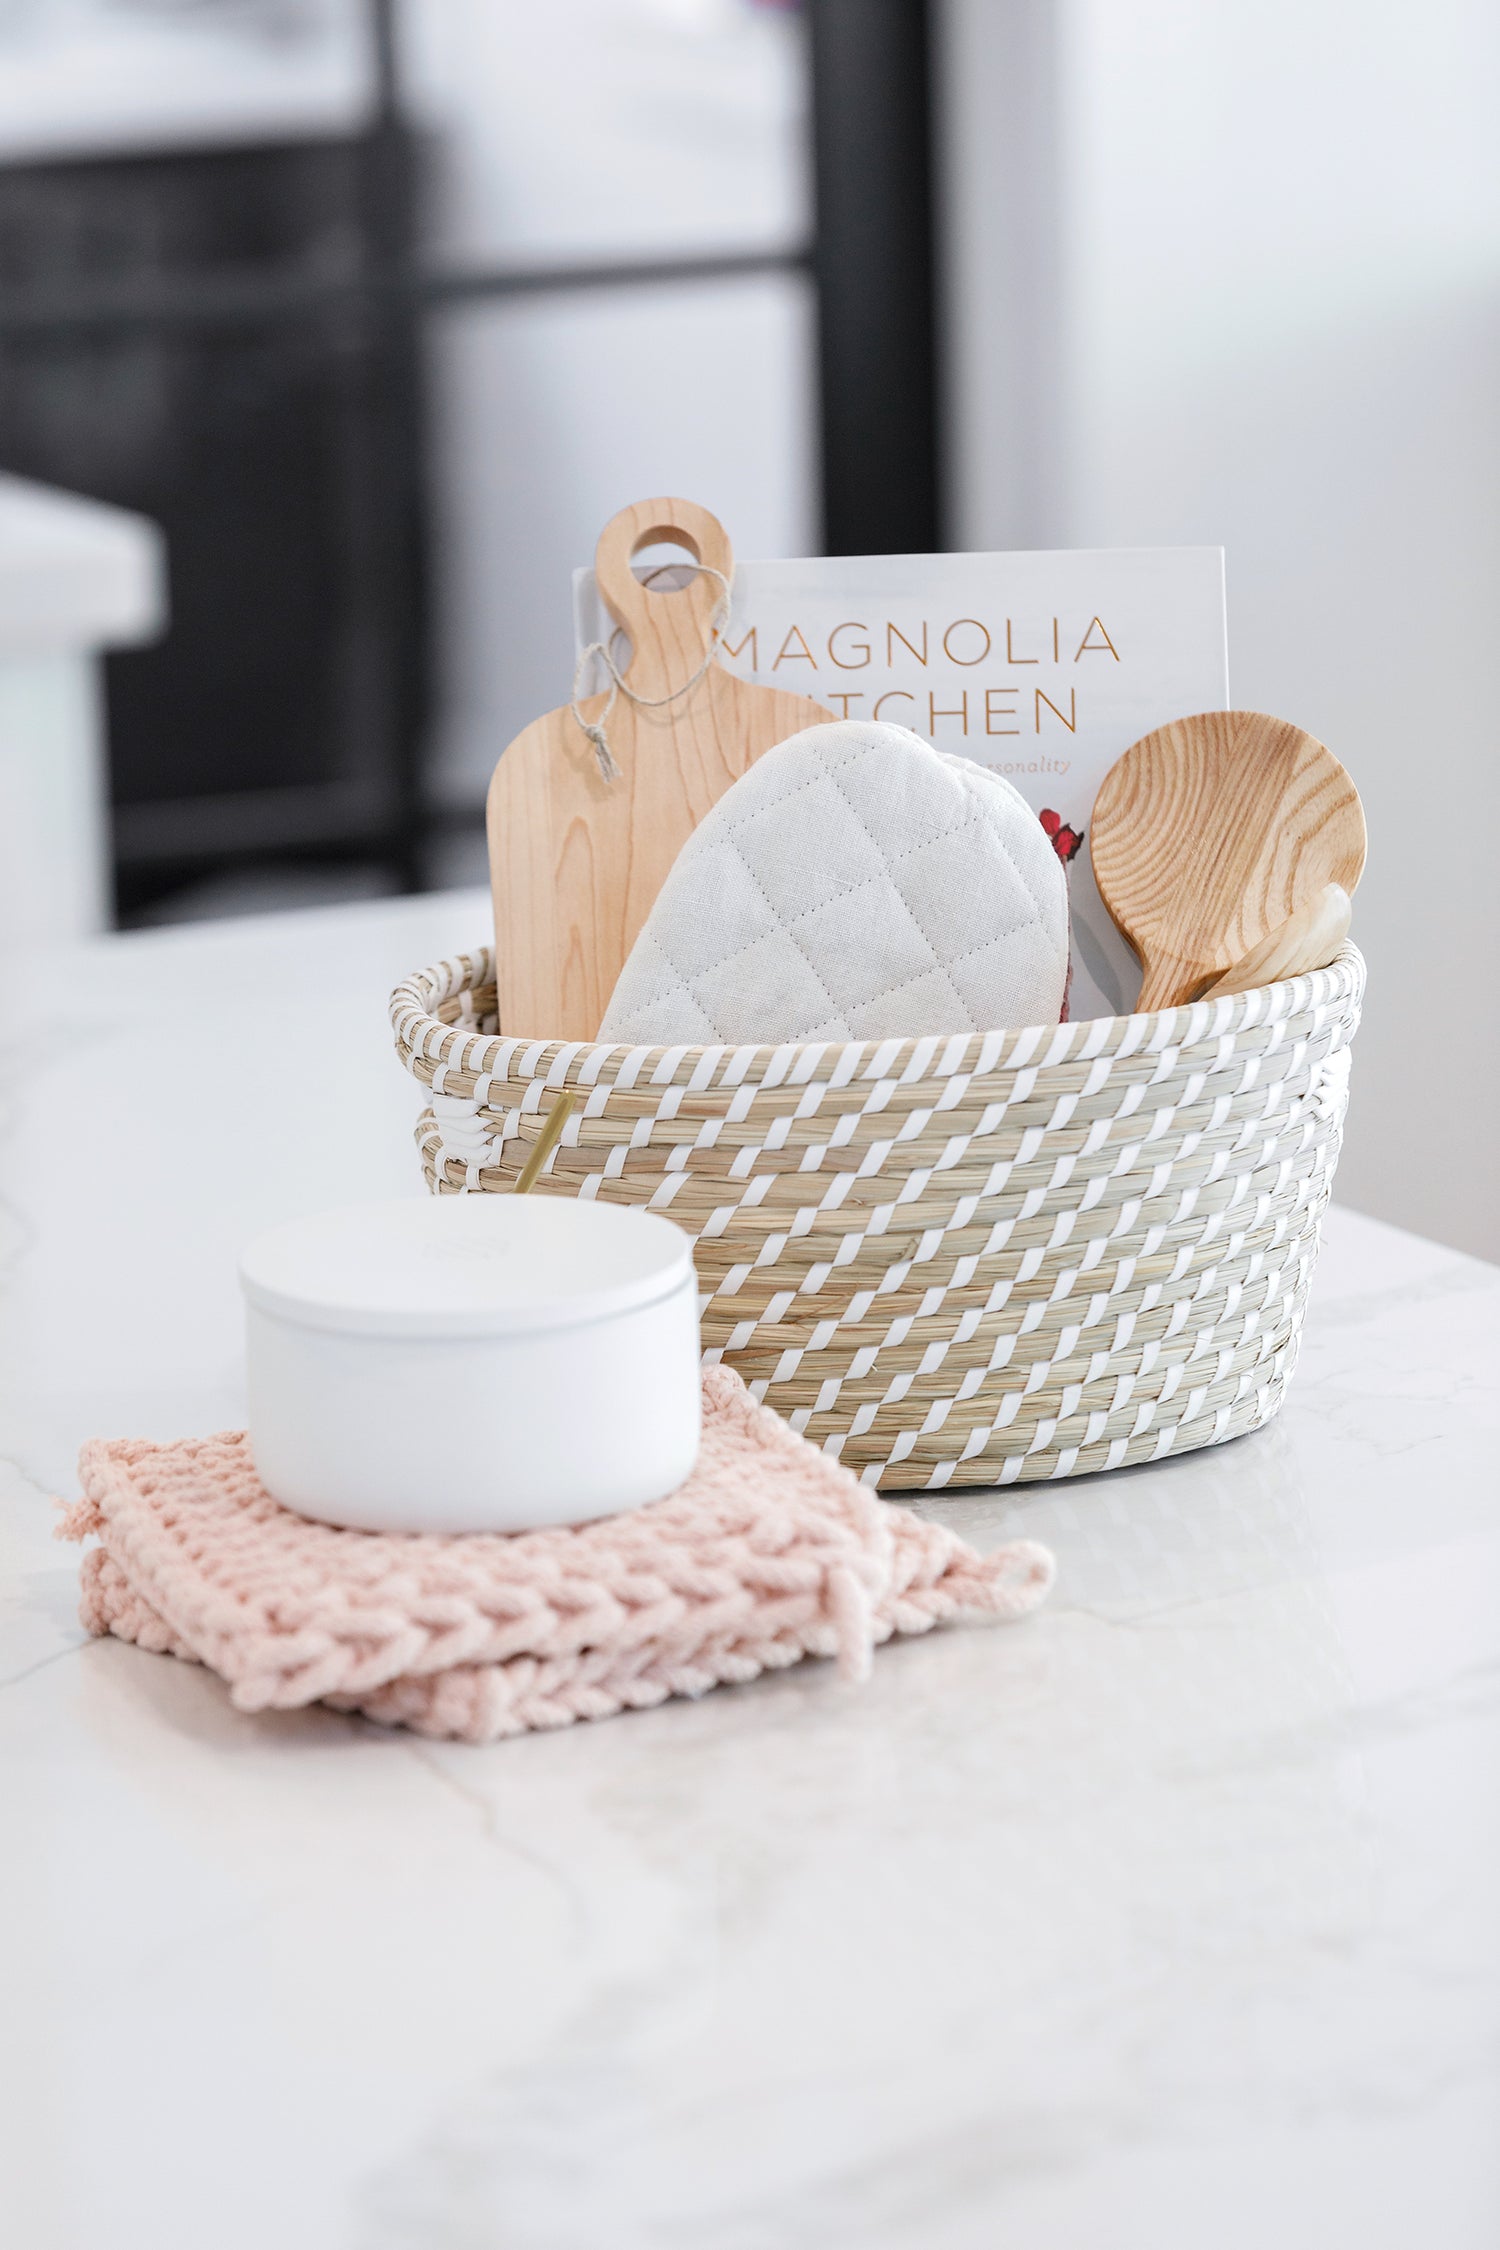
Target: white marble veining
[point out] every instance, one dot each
(1166, 1919)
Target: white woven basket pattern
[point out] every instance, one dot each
(965, 1260)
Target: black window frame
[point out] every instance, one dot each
(871, 265)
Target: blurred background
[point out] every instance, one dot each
(360, 317)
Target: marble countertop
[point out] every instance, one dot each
(1168, 1918)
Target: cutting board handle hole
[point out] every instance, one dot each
(665, 566)
(636, 544)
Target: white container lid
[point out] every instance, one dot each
(465, 1265)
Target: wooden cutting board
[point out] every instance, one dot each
(576, 861)
(1208, 834)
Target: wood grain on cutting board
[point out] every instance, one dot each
(576, 861)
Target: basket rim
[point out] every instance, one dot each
(421, 1032)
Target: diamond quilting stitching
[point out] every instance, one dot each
(784, 932)
(937, 929)
(976, 820)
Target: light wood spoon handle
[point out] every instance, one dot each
(1167, 979)
(1306, 940)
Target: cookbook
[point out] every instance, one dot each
(1041, 666)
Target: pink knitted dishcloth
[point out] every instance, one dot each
(770, 1552)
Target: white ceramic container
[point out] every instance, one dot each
(472, 1363)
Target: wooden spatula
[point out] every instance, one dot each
(1208, 834)
(576, 861)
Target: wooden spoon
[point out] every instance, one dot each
(1209, 833)
(576, 861)
(1308, 939)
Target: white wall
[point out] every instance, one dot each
(1229, 273)
(554, 413)
(582, 130)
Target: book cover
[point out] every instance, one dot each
(1043, 666)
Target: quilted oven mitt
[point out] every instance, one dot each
(855, 884)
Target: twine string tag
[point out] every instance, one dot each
(594, 729)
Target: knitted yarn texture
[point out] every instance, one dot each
(770, 1552)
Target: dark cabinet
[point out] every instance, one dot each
(188, 335)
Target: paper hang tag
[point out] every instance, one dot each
(1043, 666)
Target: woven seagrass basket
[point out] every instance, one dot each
(951, 1261)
